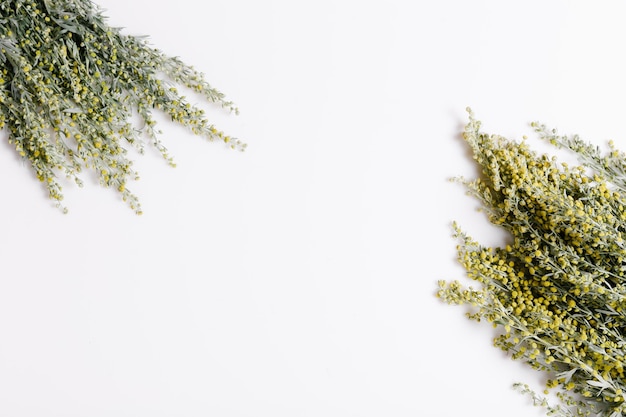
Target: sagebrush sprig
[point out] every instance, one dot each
(557, 290)
(71, 87)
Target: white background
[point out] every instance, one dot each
(297, 278)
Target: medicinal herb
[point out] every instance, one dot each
(557, 290)
(75, 93)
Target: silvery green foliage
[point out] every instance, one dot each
(72, 88)
(557, 290)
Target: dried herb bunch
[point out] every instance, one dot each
(76, 92)
(557, 290)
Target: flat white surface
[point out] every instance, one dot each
(297, 279)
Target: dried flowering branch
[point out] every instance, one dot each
(557, 291)
(71, 85)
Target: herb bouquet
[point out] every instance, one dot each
(557, 291)
(72, 89)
